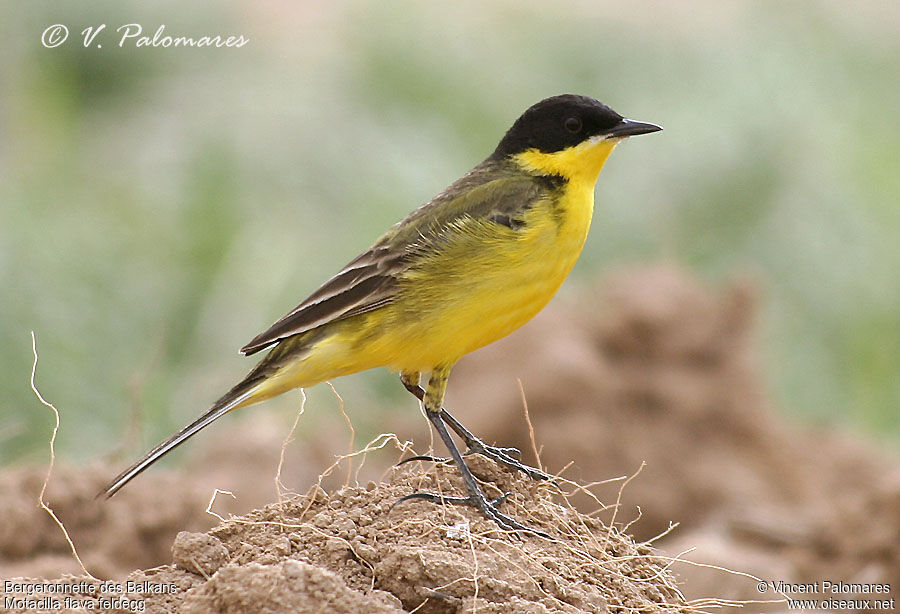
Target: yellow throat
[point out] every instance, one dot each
(579, 164)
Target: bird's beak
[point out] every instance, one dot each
(630, 127)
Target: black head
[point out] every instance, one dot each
(562, 121)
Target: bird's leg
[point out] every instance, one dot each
(410, 380)
(432, 400)
(506, 456)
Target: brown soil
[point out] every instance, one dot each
(354, 551)
(650, 366)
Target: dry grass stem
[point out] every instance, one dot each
(280, 488)
(41, 501)
(212, 500)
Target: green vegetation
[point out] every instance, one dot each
(159, 207)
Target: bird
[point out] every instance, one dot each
(465, 269)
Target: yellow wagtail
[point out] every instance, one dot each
(465, 269)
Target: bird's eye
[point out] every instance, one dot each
(573, 124)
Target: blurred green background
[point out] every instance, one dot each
(159, 207)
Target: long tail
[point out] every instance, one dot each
(242, 394)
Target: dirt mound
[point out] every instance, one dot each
(354, 551)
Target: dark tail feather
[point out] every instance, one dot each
(232, 399)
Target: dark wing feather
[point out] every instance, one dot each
(363, 285)
(490, 191)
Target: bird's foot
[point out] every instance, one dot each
(488, 507)
(511, 457)
(505, 456)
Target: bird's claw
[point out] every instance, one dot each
(425, 457)
(506, 456)
(488, 507)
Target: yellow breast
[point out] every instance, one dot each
(487, 282)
